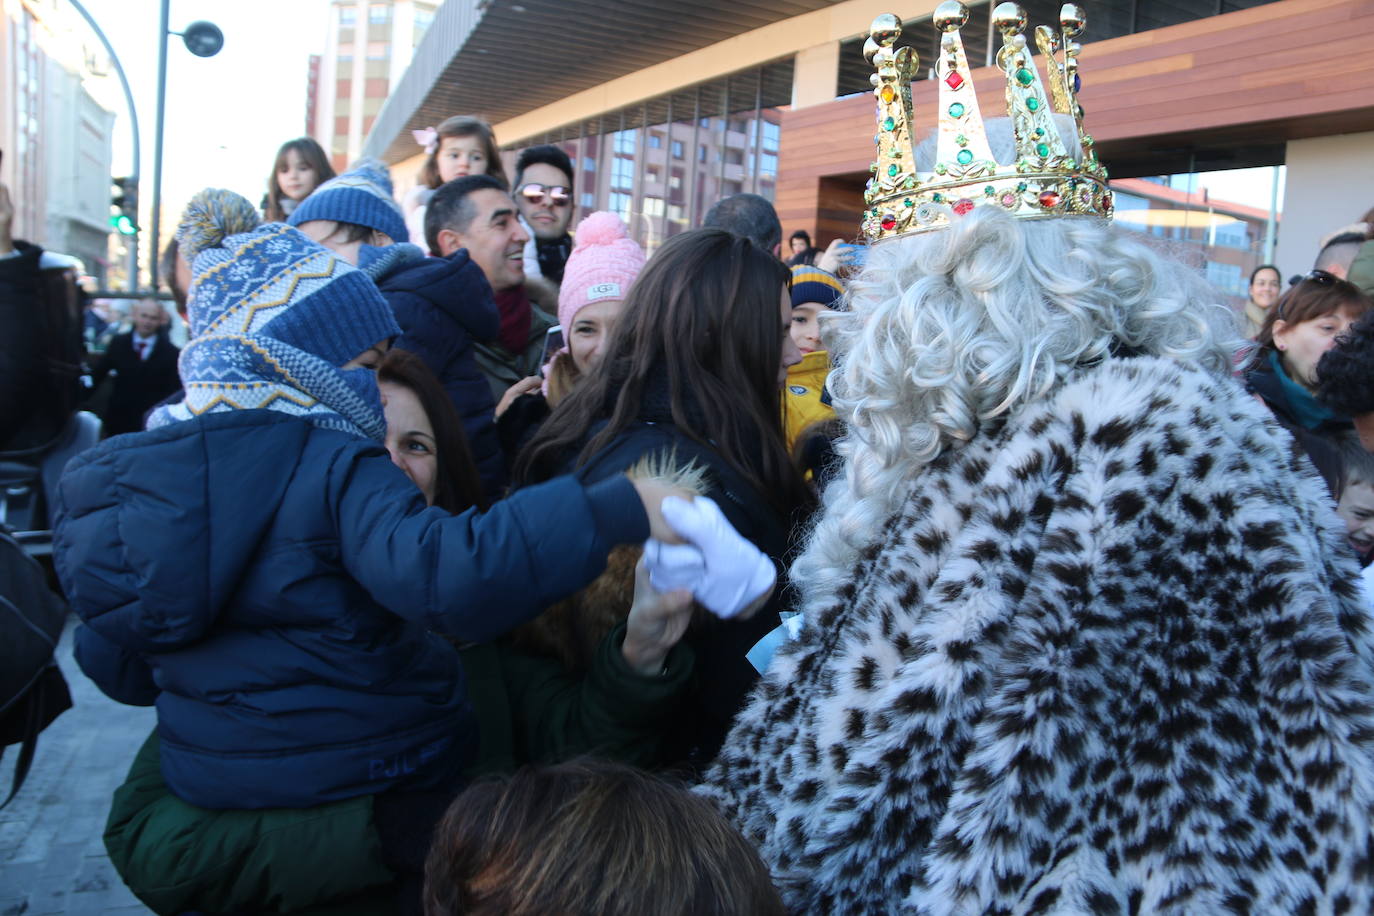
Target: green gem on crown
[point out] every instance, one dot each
(909, 202)
(938, 198)
(956, 110)
(964, 157)
(1032, 104)
(989, 191)
(961, 140)
(1042, 150)
(888, 124)
(1024, 77)
(892, 171)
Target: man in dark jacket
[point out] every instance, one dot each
(476, 214)
(21, 365)
(443, 305)
(40, 339)
(144, 365)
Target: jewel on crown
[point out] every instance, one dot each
(1044, 180)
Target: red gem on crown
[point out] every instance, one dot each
(889, 222)
(963, 206)
(1049, 199)
(954, 80)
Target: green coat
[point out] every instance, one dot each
(326, 859)
(1362, 270)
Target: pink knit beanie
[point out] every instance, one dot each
(603, 264)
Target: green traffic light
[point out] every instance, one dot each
(123, 224)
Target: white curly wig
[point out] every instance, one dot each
(951, 331)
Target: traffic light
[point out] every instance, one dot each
(124, 198)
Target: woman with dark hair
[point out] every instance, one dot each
(1265, 285)
(1297, 331)
(424, 434)
(301, 167)
(592, 837)
(1345, 378)
(691, 376)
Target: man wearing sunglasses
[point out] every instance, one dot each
(544, 192)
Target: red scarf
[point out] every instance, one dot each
(516, 318)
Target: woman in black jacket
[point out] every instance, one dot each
(1297, 331)
(691, 376)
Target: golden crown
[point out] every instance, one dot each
(1044, 180)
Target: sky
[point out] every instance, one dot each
(225, 115)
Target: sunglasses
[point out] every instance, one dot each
(555, 195)
(1316, 275)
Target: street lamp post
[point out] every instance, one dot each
(203, 39)
(133, 124)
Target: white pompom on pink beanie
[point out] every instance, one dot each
(603, 264)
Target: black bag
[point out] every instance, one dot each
(33, 691)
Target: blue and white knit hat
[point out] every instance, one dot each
(274, 317)
(362, 196)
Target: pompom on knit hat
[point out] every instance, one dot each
(811, 284)
(603, 264)
(210, 215)
(361, 196)
(274, 316)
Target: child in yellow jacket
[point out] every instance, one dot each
(814, 292)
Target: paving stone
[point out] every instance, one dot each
(52, 858)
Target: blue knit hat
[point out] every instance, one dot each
(274, 316)
(811, 284)
(361, 196)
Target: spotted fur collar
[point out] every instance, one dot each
(1107, 659)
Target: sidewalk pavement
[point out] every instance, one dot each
(52, 859)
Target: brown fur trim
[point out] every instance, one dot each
(571, 630)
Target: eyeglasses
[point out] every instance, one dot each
(1321, 277)
(554, 195)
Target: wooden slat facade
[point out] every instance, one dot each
(1200, 91)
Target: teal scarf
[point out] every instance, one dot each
(1309, 412)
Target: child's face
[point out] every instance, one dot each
(334, 236)
(806, 326)
(295, 177)
(460, 156)
(1356, 509)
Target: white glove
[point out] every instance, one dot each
(673, 566)
(734, 573)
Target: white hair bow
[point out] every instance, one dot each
(428, 138)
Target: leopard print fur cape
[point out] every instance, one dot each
(1108, 658)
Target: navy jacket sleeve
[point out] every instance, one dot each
(475, 575)
(120, 674)
(445, 346)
